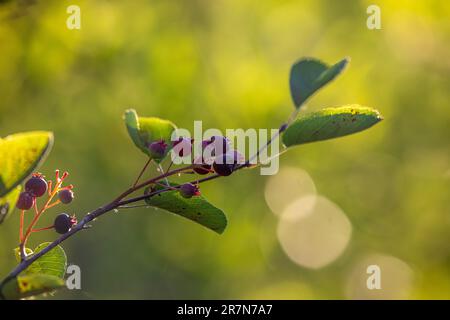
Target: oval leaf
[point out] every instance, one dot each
(330, 123)
(20, 155)
(197, 209)
(8, 203)
(28, 285)
(145, 130)
(309, 75)
(52, 263)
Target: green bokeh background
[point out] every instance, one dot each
(227, 63)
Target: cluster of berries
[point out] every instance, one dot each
(216, 157)
(216, 154)
(36, 187)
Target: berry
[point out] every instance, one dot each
(205, 143)
(188, 190)
(217, 145)
(225, 164)
(65, 196)
(63, 223)
(157, 149)
(182, 147)
(223, 169)
(201, 167)
(36, 185)
(25, 201)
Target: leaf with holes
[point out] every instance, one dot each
(28, 285)
(309, 75)
(330, 123)
(145, 130)
(197, 209)
(8, 203)
(20, 155)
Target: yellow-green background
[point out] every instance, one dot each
(227, 63)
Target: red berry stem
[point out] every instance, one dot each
(38, 213)
(53, 204)
(22, 216)
(43, 229)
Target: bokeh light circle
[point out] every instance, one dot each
(313, 237)
(396, 278)
(287, 185)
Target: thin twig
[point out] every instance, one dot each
(142, 172)
(22, 215)
(162, 170)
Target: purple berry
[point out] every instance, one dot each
(188, 190)
(205, 143)
(157, 149)
(36, 185)
(225, 164)
(201, 167)
(25, 201)
(223, 169)
(217, 145)
(63, 223)
(65, 196)
(182, 147)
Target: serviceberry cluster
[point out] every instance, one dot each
(216, 157)
(36, 187)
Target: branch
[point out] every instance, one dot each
(27, 261)
(116, 203)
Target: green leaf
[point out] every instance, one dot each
(197, 209)
(20, 155)
(330, 123)
(132, 123)
(28, 252)
(27, 285)
(8, 203)
(309, 75)
(52, 263)
(145, 130)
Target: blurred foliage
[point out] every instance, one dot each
(227, 63)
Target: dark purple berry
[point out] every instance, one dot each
(36, 185)
(205, 143)
(188, 190)
(201, 167)
(182, 147)
(225, 164)
(157, 149)
(63, 223)
(25, 201)
(223, 169)
(65, 196)
(216, 146)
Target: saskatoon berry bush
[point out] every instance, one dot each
(33, 194)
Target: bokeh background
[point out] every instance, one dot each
(379, 197)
